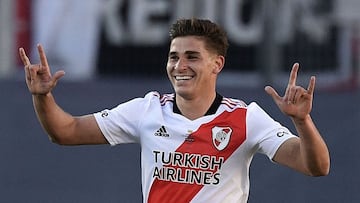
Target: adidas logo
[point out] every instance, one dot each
(161, 132)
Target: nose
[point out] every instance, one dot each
(181, 64)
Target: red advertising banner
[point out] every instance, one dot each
(23, 25)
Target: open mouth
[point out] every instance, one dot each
(183, 77)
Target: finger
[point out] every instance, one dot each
(43, 60)
(293, 74)
(23, 57)
(27, 73)
(290, 94)
(311, 86)
(33, 71)
(57, 76)
(272, 92)
(26, 63)
(299, 92)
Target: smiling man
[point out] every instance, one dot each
(196, 145)
(192, 70)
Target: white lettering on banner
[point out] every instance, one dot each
(238, 31)
(199, 8)
(143, 30)
(140, 25)
(114, 29)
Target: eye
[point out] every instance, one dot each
(173, 57)
(192, 57)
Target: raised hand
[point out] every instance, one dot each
(297, 101)
(38, 76)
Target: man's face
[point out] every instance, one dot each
(191, 68)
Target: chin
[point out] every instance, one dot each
(183, 92)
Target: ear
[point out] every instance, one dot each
(219, 64)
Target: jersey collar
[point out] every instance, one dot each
(212, 110)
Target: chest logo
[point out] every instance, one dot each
(221, 137)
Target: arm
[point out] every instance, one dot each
(62, 127)
(308, 153)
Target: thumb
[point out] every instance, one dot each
(57, 76)
(272, 92)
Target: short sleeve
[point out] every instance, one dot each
(120, 124)
(265, 133)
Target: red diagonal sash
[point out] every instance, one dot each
(202, 144)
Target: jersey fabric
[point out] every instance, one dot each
(201, 160)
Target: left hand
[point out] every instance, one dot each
(297, 101)
(38, 77)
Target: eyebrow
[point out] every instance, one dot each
(186, 52)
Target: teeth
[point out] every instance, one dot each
(185, 77)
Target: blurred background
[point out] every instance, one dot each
(115, 50)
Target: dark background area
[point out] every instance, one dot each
(145, 60)
(35, 170)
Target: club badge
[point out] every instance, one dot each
(221, 137)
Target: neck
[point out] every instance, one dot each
(195, 107)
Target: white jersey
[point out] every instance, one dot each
(201, 160)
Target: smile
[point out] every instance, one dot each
(183, 77)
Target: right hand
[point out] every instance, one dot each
(38, 76)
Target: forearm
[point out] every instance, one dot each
(56, 122)
(313, 149)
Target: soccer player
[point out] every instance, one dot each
(196, 145)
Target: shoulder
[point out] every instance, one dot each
(232, 103)
(252, 109)
(161, 98)
(154, 99)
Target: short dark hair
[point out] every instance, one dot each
(214, 36)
